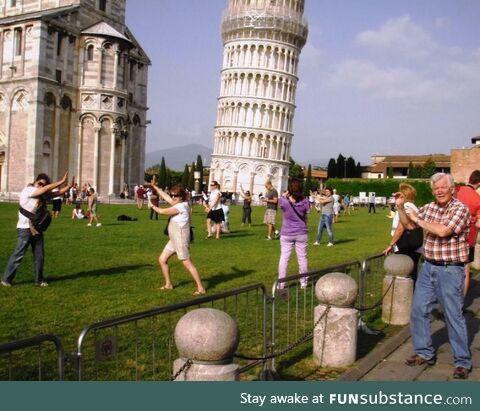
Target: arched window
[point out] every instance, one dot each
(90, 52)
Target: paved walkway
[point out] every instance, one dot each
(386, 363)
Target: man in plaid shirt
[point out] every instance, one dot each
(446, 223)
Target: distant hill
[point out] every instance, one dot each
(177, 157)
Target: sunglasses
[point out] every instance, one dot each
(41, 183)
(175, 195)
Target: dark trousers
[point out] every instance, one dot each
(371, 206)
(152, 212)
(24, 239)
(247, 215)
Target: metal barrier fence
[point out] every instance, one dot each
(293, 306)
(45, 368)
(141, 346)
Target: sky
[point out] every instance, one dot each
(375, 76)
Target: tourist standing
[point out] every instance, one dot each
(247, 207)
(326, 218)
(32, 197)
(294, 232)
(371, 203)
(214, 210)
(92, 207)
(468, 196)
(446, 223)
(271, 200)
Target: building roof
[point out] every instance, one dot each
(440, 160)
(104, 29)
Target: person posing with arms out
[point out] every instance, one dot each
(446, 223)
(214, 210)
(247, 207)
(33, 196)
(271, 200)
(398, 229)
(469, 196)
(294, 232)
(179, 214)
(326, 219)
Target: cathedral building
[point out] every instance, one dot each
(73, 94)
(253, 135)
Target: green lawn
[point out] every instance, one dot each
(99, 273)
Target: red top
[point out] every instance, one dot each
(468, 196)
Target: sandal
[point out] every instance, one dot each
(416, 360)
(461, 373)
(164, 288)
(199, 292)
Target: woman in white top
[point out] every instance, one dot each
(178, 233)
(397, 228)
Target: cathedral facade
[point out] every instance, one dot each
(253, 135)
(73, 94)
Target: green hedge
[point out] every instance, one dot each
(381, 187)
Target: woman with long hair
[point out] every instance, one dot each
(179, 214)
(294, 232)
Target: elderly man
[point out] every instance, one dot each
(271, 201)
(446, 223)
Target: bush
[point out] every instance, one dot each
(382, 188)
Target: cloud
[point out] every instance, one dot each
(451, 82)
(399, 35)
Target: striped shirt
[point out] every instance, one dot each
(454, 215)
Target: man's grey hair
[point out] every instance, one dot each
(438, 176)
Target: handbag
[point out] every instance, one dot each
(410, 240)
(40, 219)
(165, 230)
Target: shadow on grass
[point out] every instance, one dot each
(222, 277)
(99, 273)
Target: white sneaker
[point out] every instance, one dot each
(99, 224)
(329, 244)
(89, 225)
(5, 284)
(268, 237)
(316, 243)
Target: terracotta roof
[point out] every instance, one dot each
(414, 158)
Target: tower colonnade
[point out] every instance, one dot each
(256, 106)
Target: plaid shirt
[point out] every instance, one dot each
(454, 215)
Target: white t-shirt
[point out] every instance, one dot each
(215, 196)
(29, 204)
(183, 216)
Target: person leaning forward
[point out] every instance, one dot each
(30, 199)
(446, 223)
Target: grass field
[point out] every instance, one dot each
(99, 273)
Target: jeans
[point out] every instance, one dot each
(287, 243)
(445, 285)
(24, 239)
(247, 215)
(326, 220)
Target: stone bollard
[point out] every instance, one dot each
(335, 335)
(397, 289)
(209, 338)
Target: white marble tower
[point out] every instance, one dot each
(253, 134)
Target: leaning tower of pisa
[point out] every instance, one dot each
(253, 135)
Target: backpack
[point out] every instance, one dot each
(41, 219)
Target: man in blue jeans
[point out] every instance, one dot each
(30, 198)
(446, 223)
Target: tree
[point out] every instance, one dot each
(162, 175)
(296, 170)
(332, 169)
(411, 170)
(340, 166)
(350, 167)
(309, 183)
(390, 172)
(185, 176)
(428, 168)
(191, 177)
(358, 170)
